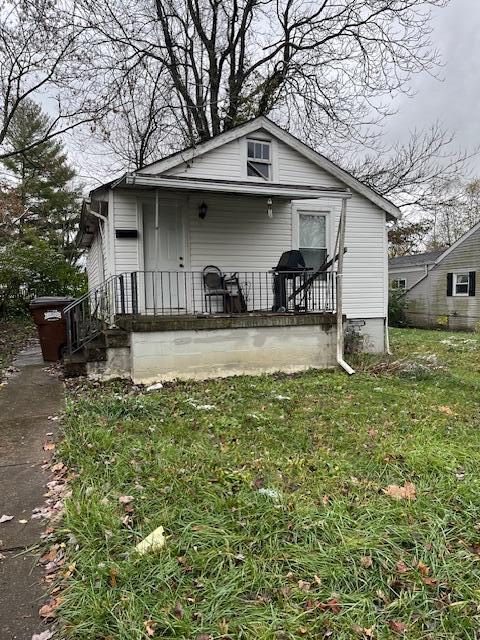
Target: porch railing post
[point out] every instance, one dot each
(133, 277)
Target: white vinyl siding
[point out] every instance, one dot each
(125, 217)
(94, 262)
(229, 161)
(237, 234)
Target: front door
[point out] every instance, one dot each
(164, 251)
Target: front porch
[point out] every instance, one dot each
(152, 326)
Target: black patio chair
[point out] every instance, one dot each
(216, 283)
(214, 286)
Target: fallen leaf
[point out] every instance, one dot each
(49, 446)
(178, 610)
(407, 492)
(366, 561)
(446, 409)
(203, 636)
(113, 573)
(149, 627)
(331, 605)
(430, 582)
(397, 627)
(303, 585)
(325, 500)
(23, 521)
(401, 567)
(362, 631)
(47, 611)
(5, 518)
(422, 567)
(50, 555)
(125, 499)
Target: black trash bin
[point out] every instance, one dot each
(47, 314)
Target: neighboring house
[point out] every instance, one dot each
(447, 294)
(237, 202)
(405, 271)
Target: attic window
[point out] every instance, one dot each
(259, 159)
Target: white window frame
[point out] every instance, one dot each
(270, 162)
(456, 283)
(396, 283)
(312, 212)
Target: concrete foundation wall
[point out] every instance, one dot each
(117, 365)
(370, 334)
(167, 355)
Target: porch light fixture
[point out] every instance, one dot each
(202, 210)
(270, 208)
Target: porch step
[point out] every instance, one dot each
(76, 364)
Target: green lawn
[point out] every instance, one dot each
(271, 493)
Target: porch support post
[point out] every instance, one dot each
(339, 288)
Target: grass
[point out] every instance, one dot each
(270, 490)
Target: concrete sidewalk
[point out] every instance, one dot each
(30, 396)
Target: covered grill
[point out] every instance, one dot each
(290, 267)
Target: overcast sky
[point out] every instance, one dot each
(455, 99)
(452, 98)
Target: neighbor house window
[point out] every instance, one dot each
(399, 283)
(461, 282)
(259, 159)
(312, 239)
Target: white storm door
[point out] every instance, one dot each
(164, 251)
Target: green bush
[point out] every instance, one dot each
(396, 308)
(31, 267)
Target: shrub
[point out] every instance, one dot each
(396, 308)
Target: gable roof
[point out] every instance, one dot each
(419, 259)
(266, 124)
(447, 252)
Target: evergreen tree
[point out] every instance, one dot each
(44, 182)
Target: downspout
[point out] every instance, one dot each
(100, 217)
(387, 338)
(339, 281)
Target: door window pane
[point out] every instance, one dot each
(313, 239)
(312, 231)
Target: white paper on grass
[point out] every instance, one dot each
(153, 542)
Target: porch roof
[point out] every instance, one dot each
(246, 188)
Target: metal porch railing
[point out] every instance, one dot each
(171, 293)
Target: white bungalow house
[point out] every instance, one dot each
(183, 262)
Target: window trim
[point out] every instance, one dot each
(313, 212)
(270, 163)
(456, 275)
(398, 286)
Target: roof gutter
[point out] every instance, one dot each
(259, 189)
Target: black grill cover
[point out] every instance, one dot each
(291, 261)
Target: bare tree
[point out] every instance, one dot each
(418, 175)
(459, 212)
(43, 57)
(320, 67)
(141, 122)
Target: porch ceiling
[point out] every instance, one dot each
(290, 192)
